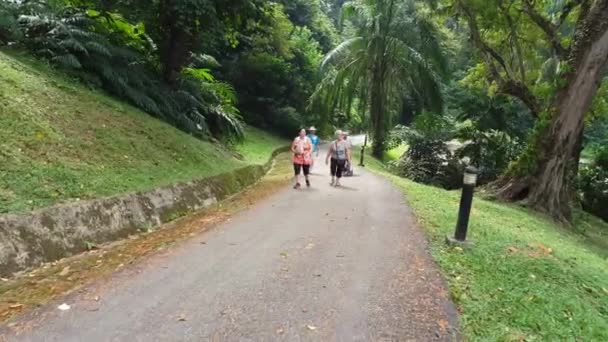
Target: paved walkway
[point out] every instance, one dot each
(319, 264)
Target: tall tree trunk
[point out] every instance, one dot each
(175, 55)
(578, 150)
(547, 189)
(175, 42)
(377, 113)
(410, 108)
(551, 193)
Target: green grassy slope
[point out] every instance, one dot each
(527, 278)
(61, 141)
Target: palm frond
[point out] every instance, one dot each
(204, 61)
(68, 61)
(341, 50)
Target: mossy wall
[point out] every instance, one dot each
(56, 232)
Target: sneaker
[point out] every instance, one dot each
(307, 183)
(332, 182)
(297, 186)
(337, 184)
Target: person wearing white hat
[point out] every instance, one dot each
(314, 139)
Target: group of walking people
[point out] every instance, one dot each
(305, 148)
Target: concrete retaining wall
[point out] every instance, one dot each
(56, 232)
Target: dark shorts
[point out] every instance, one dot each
(337, 167)
(297, 168)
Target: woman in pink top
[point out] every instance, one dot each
(302, 157)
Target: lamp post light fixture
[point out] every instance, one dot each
(464, 212)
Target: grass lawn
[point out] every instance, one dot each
(395, 153)
(60, 141)
(259, 145)
(527, 278)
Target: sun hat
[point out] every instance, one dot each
(312, 128)
(339, 132)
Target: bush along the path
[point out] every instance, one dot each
(593, 185)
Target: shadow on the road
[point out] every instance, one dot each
(346, 188)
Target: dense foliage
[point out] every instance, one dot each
(202, 65)
(527, 97)
(513, 81)
(392, 49)
(593, 184)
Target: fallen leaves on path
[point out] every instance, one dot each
(51, 281)
(65, 271)
(311, 327)
(64, 307)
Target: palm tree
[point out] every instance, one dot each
(394, 51)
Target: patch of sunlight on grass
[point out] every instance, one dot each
(395, 153)
(258, 145)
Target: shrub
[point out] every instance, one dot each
(288, 120)
(102, 53)
(593, 185)
(9, 28)
(428, 160)
(490, 151)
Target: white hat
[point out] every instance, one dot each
(339, 132)
(312, 128)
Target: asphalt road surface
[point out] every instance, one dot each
(318, 264)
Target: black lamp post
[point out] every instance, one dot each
(464, 212)
(363, 151)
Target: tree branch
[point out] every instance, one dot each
(591, 23)
(546, 26)
(523, 93)
(510, 85)
(476, 36)
(515, 42)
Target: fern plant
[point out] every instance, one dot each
(106, 55)
(9, 30)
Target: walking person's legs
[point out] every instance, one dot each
(339, 170)
(297, 169)
(333, 168)
(306, 169)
